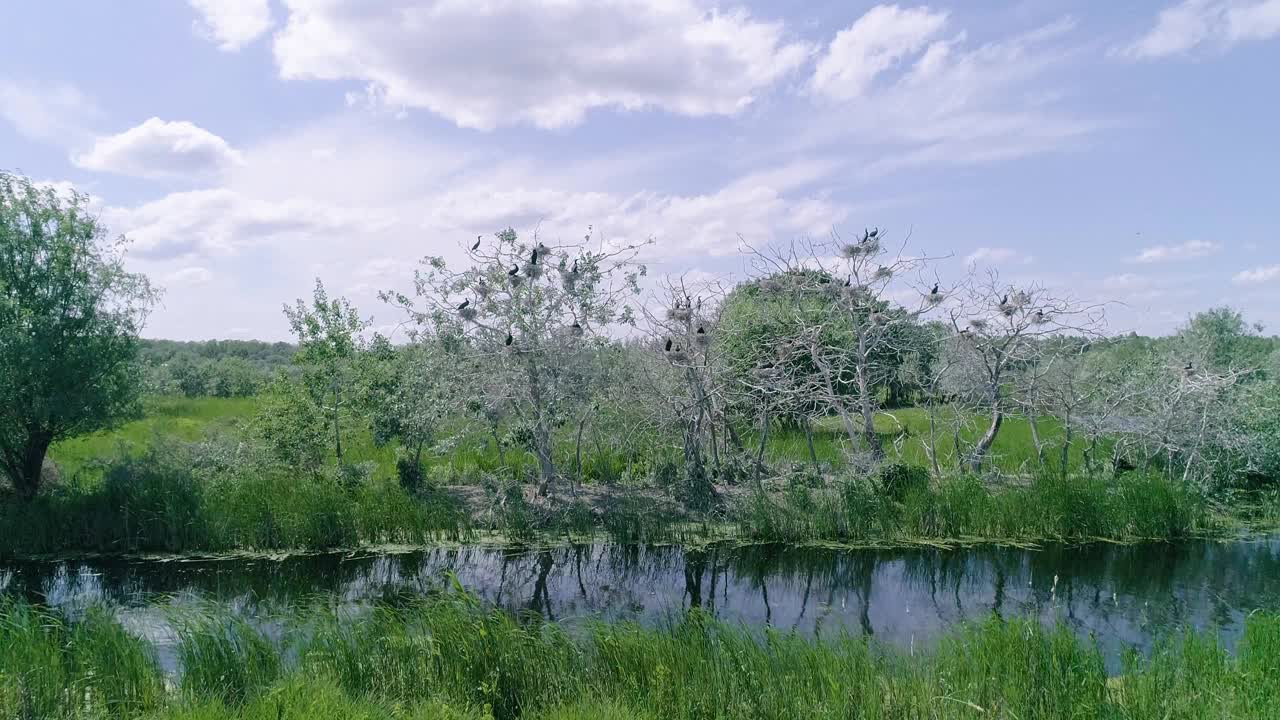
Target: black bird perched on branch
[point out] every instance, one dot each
(848, 281)
(702, 330)
(574, 270)
(1188, 367)
(577, 329)
(477, 245)
(464, 305)
(934, 291)
(515, 270)
(668, 347)
(533, 259)
(1004, 300)
(509, 340)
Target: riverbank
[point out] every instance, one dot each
(450, 657)
(159, 509)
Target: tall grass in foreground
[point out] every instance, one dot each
(450, 658)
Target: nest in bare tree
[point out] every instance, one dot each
(865, 247)
(883, 273)
(679, 313)
(467, 313)
(1006, 308)
(934, 298)
(1020, 299)
(482, 290)
(678, 355)
(702, 339)
(1039, 317)
(978, 324)
(533, 271)
(878, 318)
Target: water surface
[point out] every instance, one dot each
(1124, 596)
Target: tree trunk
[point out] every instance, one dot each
(1033, 421)
(988, 438)
(808, 437)
(26, 480)
(865, 404)
(764, 441)
(337, 431)
(577, 454)
(1066, 445)
(933, 442)
(542, 445)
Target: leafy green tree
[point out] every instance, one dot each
(292, 425)
(69, 321)
(190, 375)
(328, 333)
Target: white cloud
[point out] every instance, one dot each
(547, 62)
(1220, 24)
(188, 277)
(1189, 250)
(1258, 275)
(220, 222)
(919, 99)
(875, 42)
(232, 23)
(159, 149)
(48, 113)
(996, 255)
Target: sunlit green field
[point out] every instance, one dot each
(471, 452)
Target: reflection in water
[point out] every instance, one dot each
(1124, 596)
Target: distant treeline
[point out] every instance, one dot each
(218, 368)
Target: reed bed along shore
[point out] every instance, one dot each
(450, 657)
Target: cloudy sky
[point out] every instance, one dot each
(1120, 151)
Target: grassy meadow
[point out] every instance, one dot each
(448, 657)
(187, 478)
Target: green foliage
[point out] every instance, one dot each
(449, 658)
(69, 320)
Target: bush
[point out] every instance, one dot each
(897, 480)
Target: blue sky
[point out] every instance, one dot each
(1120, 152)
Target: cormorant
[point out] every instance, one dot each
(477, 245)
(934, 291)
(533, 259)
(509, 340)
(464, 304)
(668, 347)
(515, 270)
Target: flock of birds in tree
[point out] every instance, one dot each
(576, 329)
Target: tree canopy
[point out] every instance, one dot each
(69, 320)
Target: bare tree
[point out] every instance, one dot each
(846, 321)
(1004, 330)
(529, 311)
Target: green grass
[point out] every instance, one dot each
(170, 417)
(186, 479)
(448, 657)
(962, 508)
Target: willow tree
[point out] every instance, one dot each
(530, 314)
(69, 321)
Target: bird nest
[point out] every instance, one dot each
(978, 324)
(532, 270)
(863, 248)
(934, 298)
(883, 273)
(681, 314)
(467, 313)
